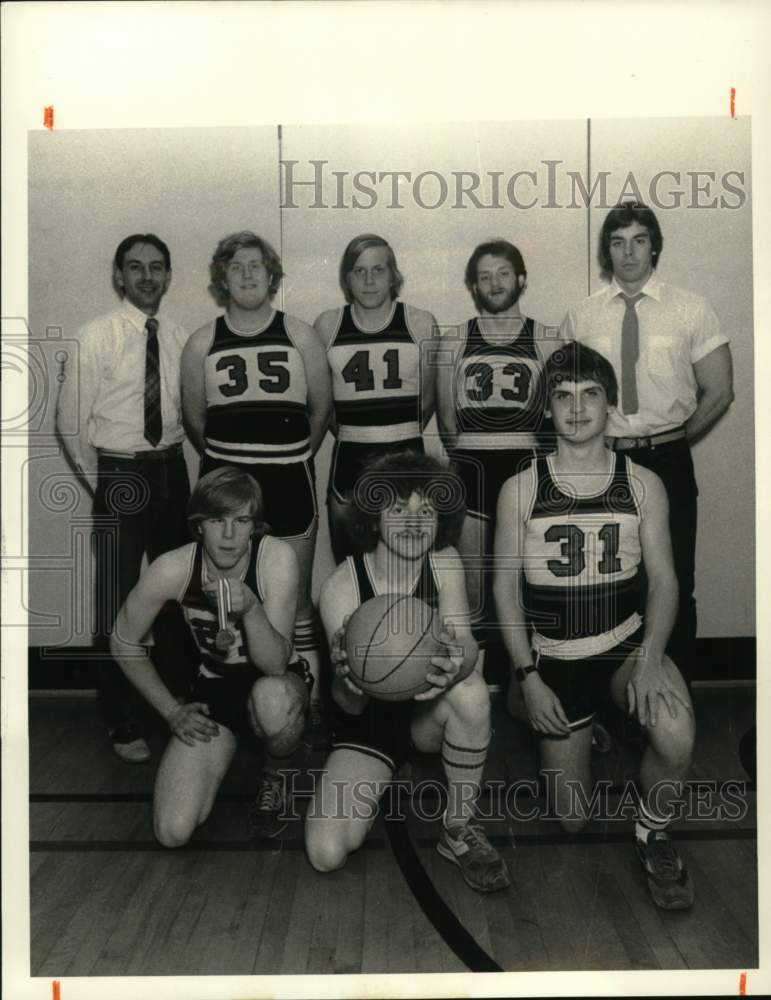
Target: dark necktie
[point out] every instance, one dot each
(630, 354)
(153, 421)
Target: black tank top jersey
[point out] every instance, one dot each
(375, 379)
(256, 396)
(582, 560)
(201, 615)
(426, 588)
(499, 388)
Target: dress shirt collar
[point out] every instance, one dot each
(135, 316)
(652, 288)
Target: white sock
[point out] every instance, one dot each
(647, 823)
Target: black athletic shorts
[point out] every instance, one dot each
(483, 473)
(381, 731)
(227, 696)
(288, 493)
(582, 686)
(349, 458)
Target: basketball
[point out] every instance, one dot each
(389, 642)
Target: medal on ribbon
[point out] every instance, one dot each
(225, 637)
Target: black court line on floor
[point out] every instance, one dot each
(443, 920)
(374, 843)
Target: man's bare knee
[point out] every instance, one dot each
(287, 740)
(277, 712)
(673, 739)
(326, 851)
(469, 699)
(273, 702)
(172, 831)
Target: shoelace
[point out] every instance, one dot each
(269, 796)
(666, 862)
(472, 831)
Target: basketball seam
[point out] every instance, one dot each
(374, 633)
(406, 656)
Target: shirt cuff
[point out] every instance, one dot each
(708, 347)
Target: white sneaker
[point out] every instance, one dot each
(129, 745)
(467, 847)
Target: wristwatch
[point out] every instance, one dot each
(521, 672)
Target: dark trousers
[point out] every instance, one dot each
(139, 507)
(673, 464)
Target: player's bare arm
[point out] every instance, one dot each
(161, 582)
(317, 376)
(714, 377)
(544, 709)
(649, 680)
(447, 353)
(337, 602)
(326, 325)
(194, 385)
(424, 328)
(461, 651)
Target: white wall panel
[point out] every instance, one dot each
(87, 190)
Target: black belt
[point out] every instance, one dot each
(140, 456)
(654, 441)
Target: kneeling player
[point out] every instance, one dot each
(408, 511)
(581, 524)
(256, 395)
(238, 591)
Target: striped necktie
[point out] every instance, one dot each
(153, 421)
(630, 354)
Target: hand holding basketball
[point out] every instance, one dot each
(339, 659)
(448, 664)
(390, 642)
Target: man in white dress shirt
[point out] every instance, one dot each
(125, 401)
(673, 366)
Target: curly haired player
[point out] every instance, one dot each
(408, 510)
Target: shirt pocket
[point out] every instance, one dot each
(665, 355)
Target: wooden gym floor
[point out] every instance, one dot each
(106, 900)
